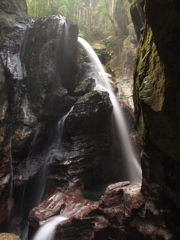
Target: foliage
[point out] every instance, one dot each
(94, 17)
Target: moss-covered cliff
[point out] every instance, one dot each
(157, 110)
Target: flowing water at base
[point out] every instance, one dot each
(46, 232)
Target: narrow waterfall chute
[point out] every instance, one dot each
(102, 83)
(53, 150)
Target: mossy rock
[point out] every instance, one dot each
(88, 97)
(98, 46)
(84, 87)
(9, 236)
(101, 51)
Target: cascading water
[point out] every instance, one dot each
(102, 83)
(56, 146)
(53, 150)
(46, 232)
(30, 195)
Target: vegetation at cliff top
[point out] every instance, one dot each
(95, 18)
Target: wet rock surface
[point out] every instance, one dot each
(30, 74)
(103, 219)
(41, 93)
(13, 21)
(81, 153)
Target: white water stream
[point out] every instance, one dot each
(133, 167)
(53, 150)
(46, 232)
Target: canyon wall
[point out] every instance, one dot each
(13, 21)
(157, 108)
(121, 52)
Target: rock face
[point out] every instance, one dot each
(156, 97)
(41, 92)
(33, 80)
(13, 20)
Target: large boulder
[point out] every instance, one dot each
(84, 147)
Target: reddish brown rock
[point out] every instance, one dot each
(88, 219)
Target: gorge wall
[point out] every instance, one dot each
(122, 51)
(156, 98)
(11, 15)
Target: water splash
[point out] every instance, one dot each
(47, 231)
(102, 83)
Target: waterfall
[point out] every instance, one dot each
(46, 232)
(56, 145)
(36, 186)
(102, 83)
(52, 151)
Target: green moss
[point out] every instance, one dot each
(141, 128)
(87, 97)
(84, 86)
